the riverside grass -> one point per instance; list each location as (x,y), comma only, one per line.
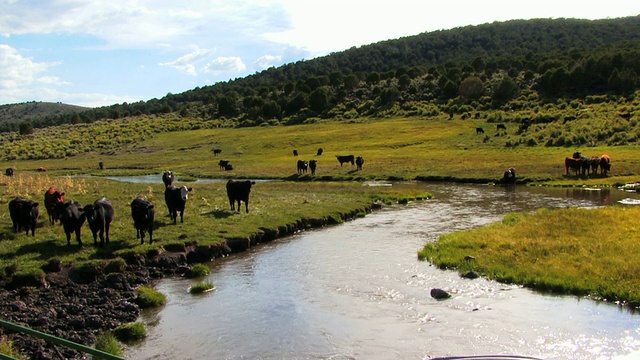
(585,252)
(208,218)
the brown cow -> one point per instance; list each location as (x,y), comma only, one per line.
(52,197)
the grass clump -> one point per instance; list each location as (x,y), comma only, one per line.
(197,270)
(108,343)
(150,298)
(573,251)
(201,287)
(6,348)
(131,332)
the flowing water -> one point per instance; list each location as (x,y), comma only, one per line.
(357,291)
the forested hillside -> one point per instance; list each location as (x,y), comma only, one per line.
(464,71)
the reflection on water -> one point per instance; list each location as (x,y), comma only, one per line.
(357,291)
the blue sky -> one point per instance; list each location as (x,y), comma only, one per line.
(96,53)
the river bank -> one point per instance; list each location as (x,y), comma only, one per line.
(78,304)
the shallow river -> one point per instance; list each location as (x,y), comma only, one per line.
(357,291)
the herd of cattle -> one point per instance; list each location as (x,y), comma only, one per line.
(587,165)
(72,215)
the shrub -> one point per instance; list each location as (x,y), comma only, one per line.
(197,270)
(200,288)
(6,348)
(130,332)
(108,343)
(148,298)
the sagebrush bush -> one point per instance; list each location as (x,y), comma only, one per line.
(197,270)
(130,332)
(149,298)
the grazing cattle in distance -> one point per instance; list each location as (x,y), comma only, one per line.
(239,191)
(217,152)
(312,166)
(41,169)
(223,164)
(52,197)
(479,130)
(176,199)
(228,167)
(605,164)
(99,216)
(359,162)
(9,172)
(579,164)
(24,215)
(101,165)
(303,165)
(509,176)
(72,218)
(501,127)
(295,152)
(346,159)
(142,212)
(595,162)
(168,178)
(320,151)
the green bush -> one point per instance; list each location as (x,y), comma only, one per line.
(197,270)
(200,288)
(108,343)
(130,332)
(149,298)
(6,348)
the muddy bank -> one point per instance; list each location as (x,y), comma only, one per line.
(79,303)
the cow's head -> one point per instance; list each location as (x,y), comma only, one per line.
(184,192)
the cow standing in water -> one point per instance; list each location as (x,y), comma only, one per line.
(509,176)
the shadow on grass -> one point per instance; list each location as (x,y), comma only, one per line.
(220,214)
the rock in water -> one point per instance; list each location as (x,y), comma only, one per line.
(439,294)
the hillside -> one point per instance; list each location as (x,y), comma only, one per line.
(34,111)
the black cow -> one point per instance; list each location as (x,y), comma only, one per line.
(72,218)
(346,159)
(24,215)
(479,130)
(99,216)
(176,199)
(101,165)
(303,165)
(359,162)
(168,178)
(320,150)
(312,166)
(228,167)
(142,212)
(223,164)
(509,176)
(9,172)
(295,152)
(501,127)
(217,152)
(52,198)
(238,191)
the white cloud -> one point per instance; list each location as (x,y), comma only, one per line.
(17,71)
(224,64)
(187,63)
(267,61)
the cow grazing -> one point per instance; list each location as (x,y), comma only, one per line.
(228,167)
(479,130)
(501,127)
(142,212)
(217,152)
(72,218)
(295,152)
(168,178)
(312,166)
(176,199)
(99,216)
(605,164)
(238,191)
(223,164)
(52,197)
(346,159)
(320,151)
(9,172)
(303,165)
(24,215)
(359,162)
(580,164)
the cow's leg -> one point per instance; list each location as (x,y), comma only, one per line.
(79,237)
(106,230)
(182,216)
(151,234)
(68,233)
(246,205)
(141,236)
(102,237)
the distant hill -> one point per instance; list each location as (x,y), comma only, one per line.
(12,115)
